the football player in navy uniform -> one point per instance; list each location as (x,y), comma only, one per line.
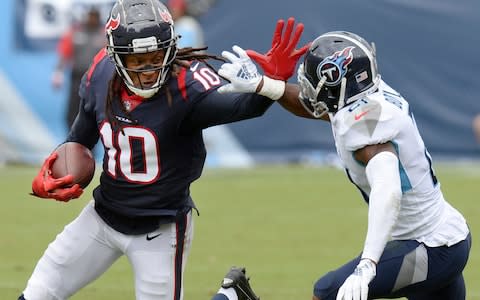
(416,244)
(148,102)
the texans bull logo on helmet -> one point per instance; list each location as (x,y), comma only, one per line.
(112,23)
(334,67)
(166,16)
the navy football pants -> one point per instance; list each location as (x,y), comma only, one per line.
(408,269)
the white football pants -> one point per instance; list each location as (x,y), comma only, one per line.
(87,247)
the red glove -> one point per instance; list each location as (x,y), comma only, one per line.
(280,61)
(60,189)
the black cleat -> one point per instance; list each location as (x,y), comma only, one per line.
(237,279)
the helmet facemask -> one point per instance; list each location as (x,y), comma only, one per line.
(145,45)
(138,27)
(321,99)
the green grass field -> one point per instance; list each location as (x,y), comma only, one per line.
(287,225)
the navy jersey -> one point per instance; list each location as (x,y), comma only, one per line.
(151,159)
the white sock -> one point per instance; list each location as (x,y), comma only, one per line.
(230,293)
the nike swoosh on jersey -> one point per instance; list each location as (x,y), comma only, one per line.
(194,68)
(360,115)
(149,238)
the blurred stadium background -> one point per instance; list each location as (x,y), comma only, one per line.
(277,220)
(427,50)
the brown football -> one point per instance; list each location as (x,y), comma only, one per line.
(75,159)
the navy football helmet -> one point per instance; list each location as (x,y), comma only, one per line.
(141,26)
(339,68)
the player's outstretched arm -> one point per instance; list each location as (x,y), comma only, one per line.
(280,61)
(290,101)
(243,76)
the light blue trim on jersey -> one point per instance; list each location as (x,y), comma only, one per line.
(404,180)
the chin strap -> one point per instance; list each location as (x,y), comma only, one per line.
(144,93)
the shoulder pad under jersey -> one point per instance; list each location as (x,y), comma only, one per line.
(367,121)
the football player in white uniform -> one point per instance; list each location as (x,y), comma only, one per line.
(416,244)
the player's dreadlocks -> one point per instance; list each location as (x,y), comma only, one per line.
(182,60)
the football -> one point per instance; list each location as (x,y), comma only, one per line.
(75,159)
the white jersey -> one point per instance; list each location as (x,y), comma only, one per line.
(384,116)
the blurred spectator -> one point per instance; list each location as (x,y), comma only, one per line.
(76,49)
(186,25)
(476,127)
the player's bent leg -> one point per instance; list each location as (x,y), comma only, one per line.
(76,257)
(444,279)
(327,287)
(406,269)
(158,260)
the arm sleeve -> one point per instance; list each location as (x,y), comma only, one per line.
(215,109)
(384,202)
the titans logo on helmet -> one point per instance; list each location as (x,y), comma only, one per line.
(334,67)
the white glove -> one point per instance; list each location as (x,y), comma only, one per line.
(356,285)
(241,72)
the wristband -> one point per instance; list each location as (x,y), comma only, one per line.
(272,88)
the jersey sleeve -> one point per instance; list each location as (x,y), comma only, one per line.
(215,109)
(209,108)
(368,122)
